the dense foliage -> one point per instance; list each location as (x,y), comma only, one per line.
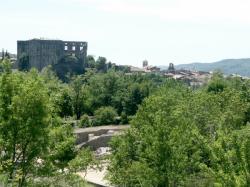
(68,66)
(38,111)
(36,146)
(102,85)
(178,136)
(181,137)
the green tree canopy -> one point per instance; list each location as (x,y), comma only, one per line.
(24,123)
(181,137)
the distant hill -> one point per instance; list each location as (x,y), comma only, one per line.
(228,66)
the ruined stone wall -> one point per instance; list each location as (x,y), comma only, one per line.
(102,141)
(48,52)
(102,135)
(82,134)
(79,49)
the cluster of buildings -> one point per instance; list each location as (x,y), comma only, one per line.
(146,68)
(193,78)
(43,52)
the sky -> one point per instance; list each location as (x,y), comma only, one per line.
(130,31)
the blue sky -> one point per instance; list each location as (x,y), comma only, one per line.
(129,31)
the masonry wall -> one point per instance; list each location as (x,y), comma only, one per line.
(48,52)
(102,141)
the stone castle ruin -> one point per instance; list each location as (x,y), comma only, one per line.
(39,53)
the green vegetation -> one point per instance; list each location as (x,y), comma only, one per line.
(102,85)
(37,148)
(38,110)
(105,115)
(181,137)
(23,63)
(24,118)
(178,136)
(68,66)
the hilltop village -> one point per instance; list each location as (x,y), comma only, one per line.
(71,57)
(192,78)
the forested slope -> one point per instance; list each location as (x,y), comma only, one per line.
(228,66)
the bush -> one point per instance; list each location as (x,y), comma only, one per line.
(124,118)
(84,121)
(65,180)
(23,63)
(105,115)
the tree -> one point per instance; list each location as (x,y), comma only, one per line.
(101,89)
(105,115)
(59,93)
(81,162)
(24,112)
(217,83)
(77,95)
(7,55)
(134,98)
(101,65)
(35,144)
(68,66)
(150,142)
(23,62)
(183,137)
(90,62)
(65,103)
(61,147)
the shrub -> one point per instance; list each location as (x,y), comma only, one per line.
(84,121)
(124,118)
(105,115)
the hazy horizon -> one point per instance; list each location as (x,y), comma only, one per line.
(128,32)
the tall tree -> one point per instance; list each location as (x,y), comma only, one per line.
(23,62)
(24,113)
(77,95)
(101,65)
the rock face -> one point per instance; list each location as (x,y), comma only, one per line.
(42,53)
